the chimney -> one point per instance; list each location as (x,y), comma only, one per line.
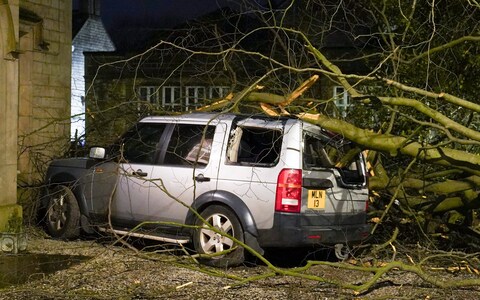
(90,7)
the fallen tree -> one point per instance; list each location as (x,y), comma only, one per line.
(435,193)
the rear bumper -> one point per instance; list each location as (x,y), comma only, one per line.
(294,230)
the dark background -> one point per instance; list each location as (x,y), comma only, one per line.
(154,13)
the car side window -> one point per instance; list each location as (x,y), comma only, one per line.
(140,144)
(254,146)
(190,145)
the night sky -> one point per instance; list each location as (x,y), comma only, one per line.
(131,23)
(155,13)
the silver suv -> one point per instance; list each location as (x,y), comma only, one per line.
(266,182)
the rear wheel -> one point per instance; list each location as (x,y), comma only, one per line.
(63,214)
(207,241)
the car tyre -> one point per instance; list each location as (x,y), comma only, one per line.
(63,214)
(207,241)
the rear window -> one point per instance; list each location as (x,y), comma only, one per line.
(321,152)
(254,146)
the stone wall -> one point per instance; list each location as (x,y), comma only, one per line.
(35,63)
(9,210)
(44,84)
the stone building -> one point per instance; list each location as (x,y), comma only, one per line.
(35,66)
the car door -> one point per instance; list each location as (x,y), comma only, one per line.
(138,152)
(188,168)
(101,181)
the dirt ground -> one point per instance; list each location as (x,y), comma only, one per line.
(116,272)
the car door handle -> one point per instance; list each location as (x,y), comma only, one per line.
(139,173)
(201,178)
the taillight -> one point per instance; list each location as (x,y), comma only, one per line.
(289,191)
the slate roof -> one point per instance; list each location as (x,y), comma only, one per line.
(90,34)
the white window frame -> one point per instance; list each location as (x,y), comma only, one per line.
(194,95)
(342,99)
(179,98)
(175,96)
(151,93)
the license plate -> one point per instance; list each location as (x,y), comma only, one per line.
(316,199)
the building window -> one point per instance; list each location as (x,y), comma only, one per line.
(171,98)
(194,96)
(177,98)
(149,94)
(342,99)
(31,23)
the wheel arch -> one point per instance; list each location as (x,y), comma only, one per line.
(73,184)
(238,207)
(229,200)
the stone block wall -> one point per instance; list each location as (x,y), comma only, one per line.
(44,85)
(9,210)
(35,60)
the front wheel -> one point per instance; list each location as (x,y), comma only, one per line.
(210,242)
(63,214)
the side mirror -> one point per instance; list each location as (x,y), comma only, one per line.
(97,152)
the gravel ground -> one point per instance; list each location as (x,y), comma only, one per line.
(116,272)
